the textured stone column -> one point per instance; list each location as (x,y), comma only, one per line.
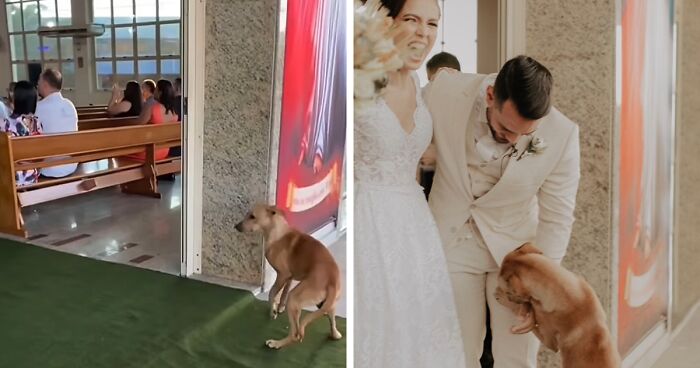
(239,71)
(686,258)
(575,39)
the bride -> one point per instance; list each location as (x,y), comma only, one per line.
(404,306)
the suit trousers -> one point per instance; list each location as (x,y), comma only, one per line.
(474,275)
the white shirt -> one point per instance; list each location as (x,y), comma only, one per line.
(57,115)
(4,112)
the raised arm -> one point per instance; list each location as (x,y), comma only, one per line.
(557,199)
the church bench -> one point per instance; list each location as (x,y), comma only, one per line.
(106,122)
(92,115)
(102,164)
(91,108)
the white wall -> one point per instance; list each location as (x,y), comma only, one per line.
(458,23)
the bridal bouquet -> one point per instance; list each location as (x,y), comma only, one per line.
(375,52)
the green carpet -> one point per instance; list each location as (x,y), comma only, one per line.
(62,310)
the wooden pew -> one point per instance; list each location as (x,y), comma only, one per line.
(102,123)
(96,111)
(92,115)
(90,149)
(91,107)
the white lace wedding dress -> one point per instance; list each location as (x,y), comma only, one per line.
(405,315)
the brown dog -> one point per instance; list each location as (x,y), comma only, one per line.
(560,308)
(296,257)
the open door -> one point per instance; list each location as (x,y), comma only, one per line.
(193,77)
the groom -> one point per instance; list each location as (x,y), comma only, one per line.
(507,173)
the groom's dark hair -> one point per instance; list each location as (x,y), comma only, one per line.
(527,83)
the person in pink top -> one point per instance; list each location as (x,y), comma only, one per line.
(161,111)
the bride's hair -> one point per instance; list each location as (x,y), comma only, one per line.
(393,6)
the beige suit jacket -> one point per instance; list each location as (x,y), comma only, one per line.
(535,198)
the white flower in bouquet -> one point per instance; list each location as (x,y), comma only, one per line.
(375,53)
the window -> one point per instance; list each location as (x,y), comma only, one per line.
(141,40)
(24,17)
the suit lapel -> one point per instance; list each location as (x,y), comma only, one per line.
(520,148)
(469,138)
(512,164)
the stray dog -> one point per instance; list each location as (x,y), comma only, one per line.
(296,256)
(560,308)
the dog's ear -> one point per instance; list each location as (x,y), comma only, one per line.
(528,248)
(518,287)
(507,269)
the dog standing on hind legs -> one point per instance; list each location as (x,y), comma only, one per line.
(296,256)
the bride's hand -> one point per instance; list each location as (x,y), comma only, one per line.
(429,157)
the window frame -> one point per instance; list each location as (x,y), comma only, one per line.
(24,60)
(135,58)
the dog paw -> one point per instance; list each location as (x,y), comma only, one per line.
(273,344)
(336,335)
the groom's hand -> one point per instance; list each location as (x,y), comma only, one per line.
(447,70)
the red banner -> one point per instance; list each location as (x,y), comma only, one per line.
(646,128)
(312,132)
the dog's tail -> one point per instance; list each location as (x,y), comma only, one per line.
(331,297)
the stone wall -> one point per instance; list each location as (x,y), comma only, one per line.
(239,70)
(575,39)
(687,201)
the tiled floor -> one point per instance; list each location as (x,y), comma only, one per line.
(684,351)
(113,226)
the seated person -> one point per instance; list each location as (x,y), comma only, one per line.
(22,122)
(5,111)
(177,151)
(178,98)
(125,102)
(148,91)
(162,110)
(57,115)
(6,103)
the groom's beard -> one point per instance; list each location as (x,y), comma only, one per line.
(493,131)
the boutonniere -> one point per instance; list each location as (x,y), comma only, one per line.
(536,145)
